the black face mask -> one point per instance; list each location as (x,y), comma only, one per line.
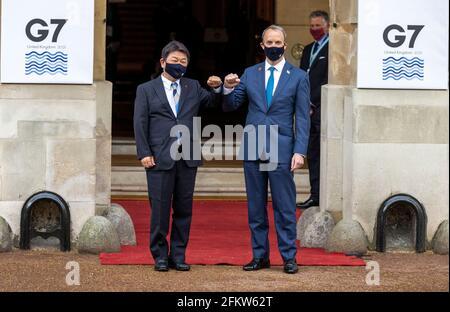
(175,70)
(274,53)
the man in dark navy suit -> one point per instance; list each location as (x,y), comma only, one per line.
(275,143)
(315,62)
(162,105)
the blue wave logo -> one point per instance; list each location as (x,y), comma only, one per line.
(403,68)
(46,63)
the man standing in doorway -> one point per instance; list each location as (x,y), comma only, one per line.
(315,63)
(163,103)
(278,95)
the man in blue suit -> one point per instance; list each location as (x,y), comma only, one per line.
(278,96)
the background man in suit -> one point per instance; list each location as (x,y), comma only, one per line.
(162,104)
(277,92)
(315,62)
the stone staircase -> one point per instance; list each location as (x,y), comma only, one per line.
(215,179)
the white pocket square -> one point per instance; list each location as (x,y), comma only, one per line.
(322,57)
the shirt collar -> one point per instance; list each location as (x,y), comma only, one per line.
(279,67)
(323,39)
(167,83)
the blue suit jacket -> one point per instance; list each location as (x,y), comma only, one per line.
(290,103)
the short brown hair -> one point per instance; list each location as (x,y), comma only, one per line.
(320,13)
(275,27)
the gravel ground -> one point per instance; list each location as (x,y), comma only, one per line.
(46,271)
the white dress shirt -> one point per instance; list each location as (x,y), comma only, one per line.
(276,75)
(169,93)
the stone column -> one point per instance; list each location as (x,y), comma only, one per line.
(100,39)
(377,143)
(58,138)
(55,138)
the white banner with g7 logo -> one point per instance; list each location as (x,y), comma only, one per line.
(47,41)
(403,44)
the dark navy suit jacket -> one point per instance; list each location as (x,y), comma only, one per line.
(318,75)
(154,119)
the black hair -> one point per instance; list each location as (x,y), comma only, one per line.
(174,46)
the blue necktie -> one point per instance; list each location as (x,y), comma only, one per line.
(176,96)
(270,86)
(316,45)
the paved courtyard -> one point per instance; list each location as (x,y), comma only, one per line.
(46,271)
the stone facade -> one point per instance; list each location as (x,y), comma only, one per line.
(55,138)
(293,16)
(378,143)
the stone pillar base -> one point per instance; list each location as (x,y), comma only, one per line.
(98,235)
(5,236)
(440,240)
(123,224)
(314,228)
(348,237)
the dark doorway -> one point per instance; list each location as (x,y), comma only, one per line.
(223,36)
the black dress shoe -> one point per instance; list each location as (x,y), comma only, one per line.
(290,267)
(257,264)
(162,266)
(181,266)
(308,204)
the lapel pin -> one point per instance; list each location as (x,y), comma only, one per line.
(259,68)
(288,72)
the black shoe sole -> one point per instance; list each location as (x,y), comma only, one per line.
(179,269)
(182,270)
(307,207)
(162,270)
(261,268)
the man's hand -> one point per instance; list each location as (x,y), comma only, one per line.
(297,162)
(231,81)
(214,82)
(148,162)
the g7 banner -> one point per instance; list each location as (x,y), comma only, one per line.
(47,41)
(403,44)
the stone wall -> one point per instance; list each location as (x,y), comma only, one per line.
(55,138)
(378,143)
(397,142)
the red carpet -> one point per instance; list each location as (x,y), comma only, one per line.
(219,235)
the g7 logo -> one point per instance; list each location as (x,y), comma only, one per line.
(43,32)
(400,39)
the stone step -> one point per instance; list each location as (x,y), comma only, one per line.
(212,182)
(215,179)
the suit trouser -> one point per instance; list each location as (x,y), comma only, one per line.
(283,197)
(314,156)
(166,188)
